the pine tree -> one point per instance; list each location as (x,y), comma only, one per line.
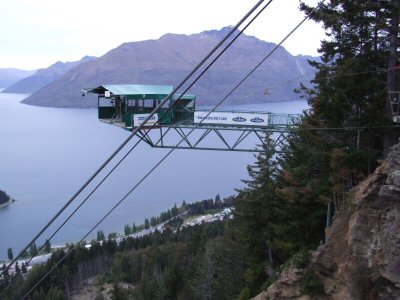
(10,253)
(47,246)
(174,210)
(33,249)
(134,227)
(146,223)
(100,235)
(305,190)
(350,87)
(153,221)
(127,229)
(17,268)
(254,216)
(23,268)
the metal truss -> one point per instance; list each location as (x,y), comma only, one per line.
(214,137)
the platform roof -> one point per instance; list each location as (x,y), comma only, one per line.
(133,91)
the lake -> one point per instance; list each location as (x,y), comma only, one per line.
(47,154)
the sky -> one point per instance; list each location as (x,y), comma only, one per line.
(37,33)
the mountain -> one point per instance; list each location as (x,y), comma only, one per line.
(9,76)
(167,60)
(43,77)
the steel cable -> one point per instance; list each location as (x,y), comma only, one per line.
(109,159)
(167,155)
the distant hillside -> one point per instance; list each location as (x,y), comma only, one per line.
(169,59)
(43,77)
(4,198)
(8,76)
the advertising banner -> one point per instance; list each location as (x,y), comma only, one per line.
(137,119)
(231,118)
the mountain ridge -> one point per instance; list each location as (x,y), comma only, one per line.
(43,77)
(9,76)
(167,60)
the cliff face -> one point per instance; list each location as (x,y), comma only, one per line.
(361,259)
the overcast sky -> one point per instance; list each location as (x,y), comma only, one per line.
(37,33)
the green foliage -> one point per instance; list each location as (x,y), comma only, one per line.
(349,90)
(255,217)
(146,223)
(302,258)
(23,268)
(10,254)
(100,235)
(127,229)
(134,228)
(311,284)
(112,235)
(47,246)
(218,274)
(118,293)
(25,254)
(304,190)
(33,249)
(245,294)
(174,211)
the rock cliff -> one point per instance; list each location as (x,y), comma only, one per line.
(361,258)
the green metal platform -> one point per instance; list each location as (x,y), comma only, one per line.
(178,120)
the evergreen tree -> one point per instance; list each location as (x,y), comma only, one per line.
(25,253)
(47,246)
(169,214)
(350,87)
(305,190)
(10,253)
(118,293)
(254,216)
(100,235)
(146,223)
(17,268)
(33,249)
(218,274)
(6,276)
(127,229)
(23,268)
(134,228)
(174,210)
(153,221)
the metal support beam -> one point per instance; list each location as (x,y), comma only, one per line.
(214,137)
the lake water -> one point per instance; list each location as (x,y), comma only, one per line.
(46,155)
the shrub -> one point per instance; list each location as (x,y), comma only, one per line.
(311,284)
(302,258)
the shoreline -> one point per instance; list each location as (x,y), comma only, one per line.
(11,200)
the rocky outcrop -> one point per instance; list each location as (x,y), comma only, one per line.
(361,259)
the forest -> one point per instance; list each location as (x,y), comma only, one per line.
(291,195)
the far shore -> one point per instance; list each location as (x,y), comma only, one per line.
(8,202)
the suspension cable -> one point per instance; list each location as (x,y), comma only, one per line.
(131,136)
(166,156)
(137,129)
